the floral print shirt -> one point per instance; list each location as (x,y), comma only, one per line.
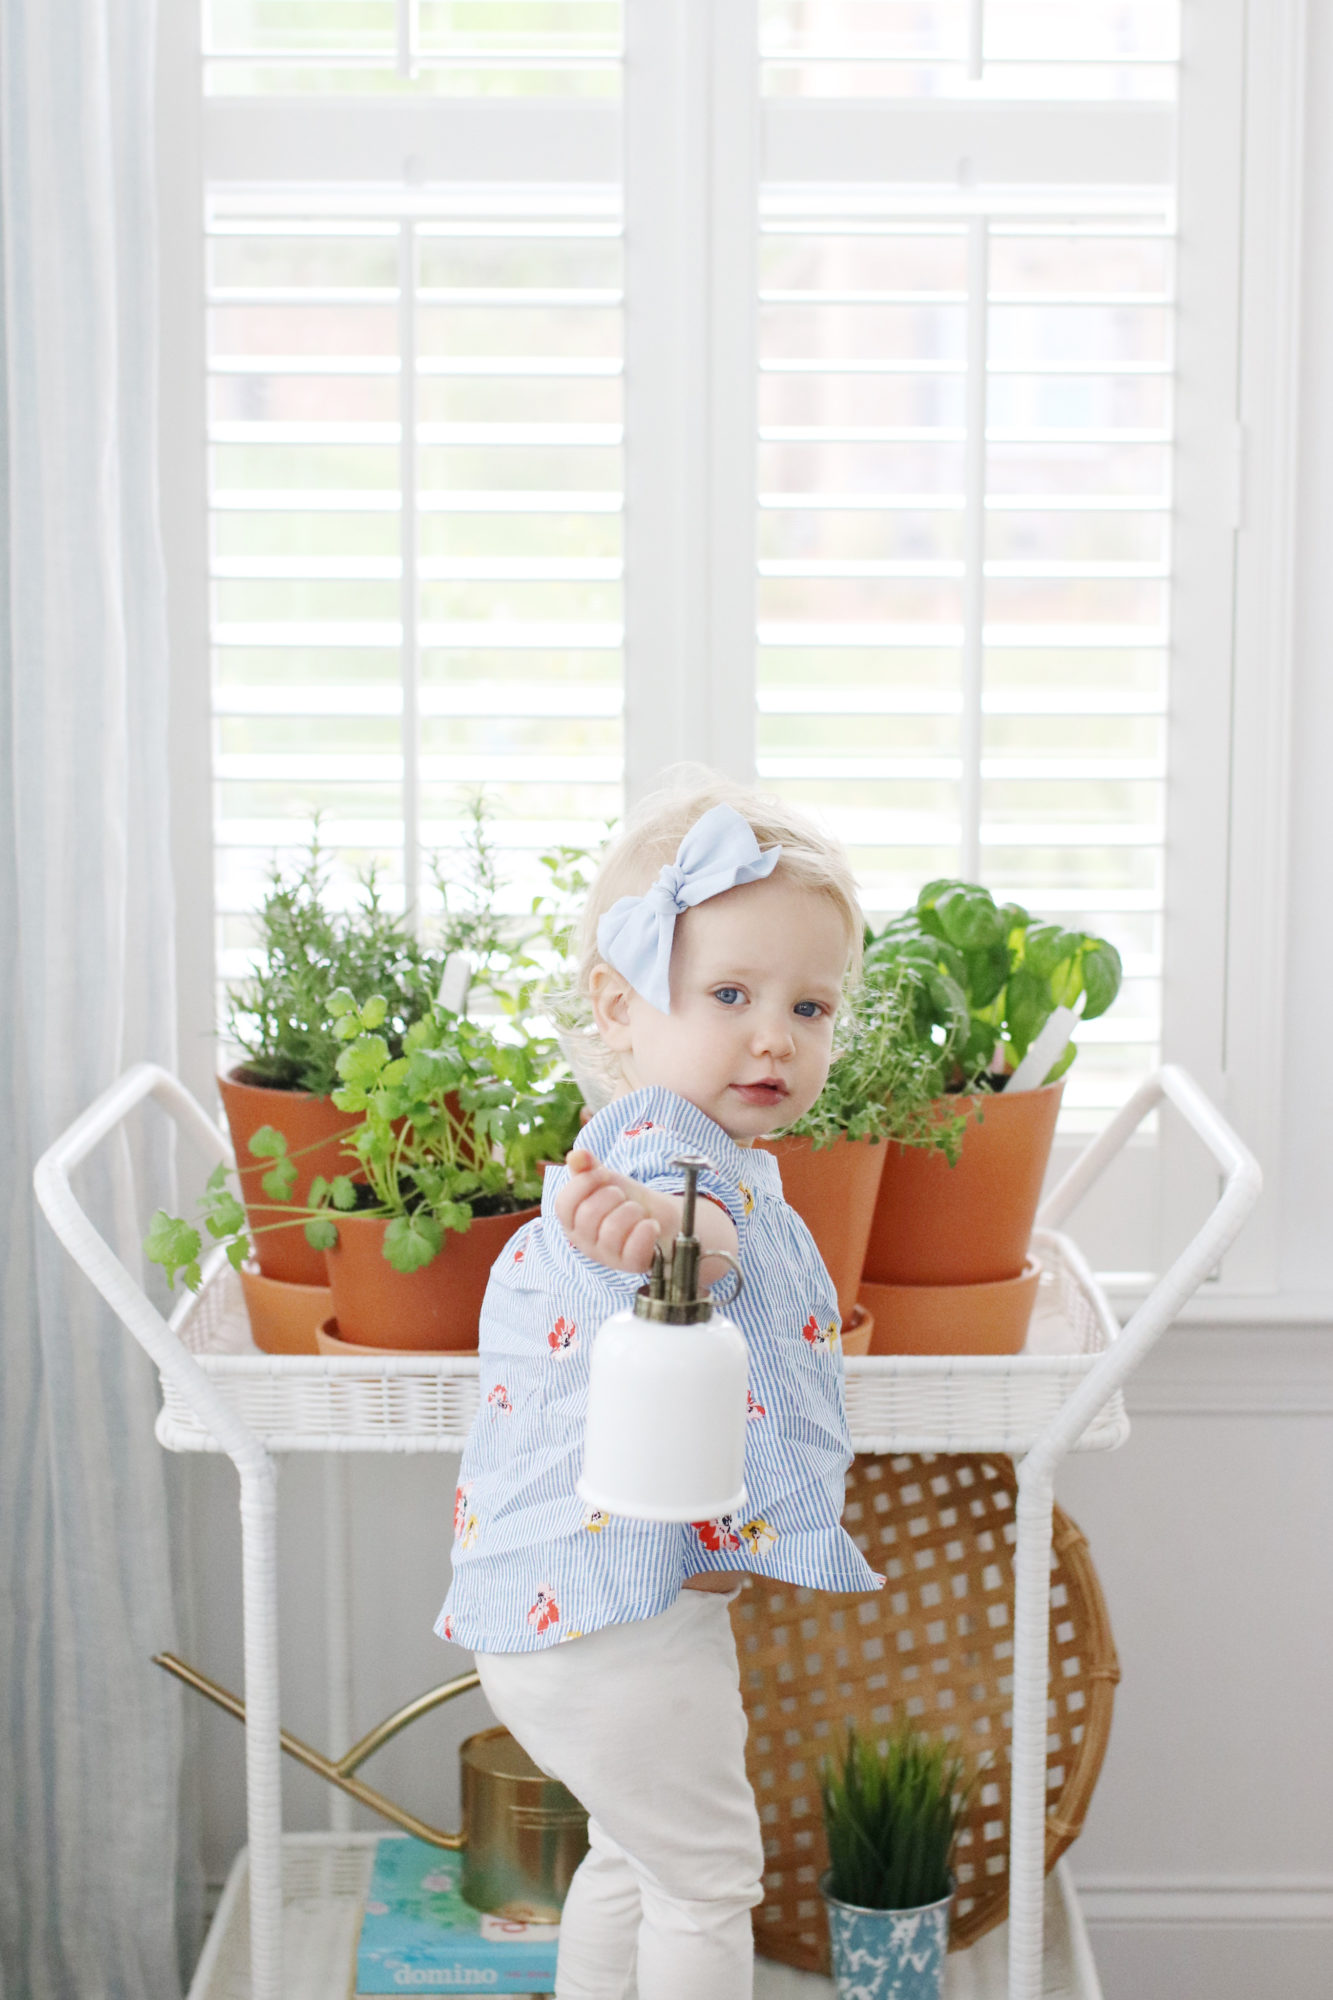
(532,1565)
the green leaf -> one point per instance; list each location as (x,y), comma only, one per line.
(1057,1071)
(1047,947)
(319,1192)
(224,1215)
(341,1002)
(360,1065)
(1028,1006)
(220,1208)
(236,1254)
(927,897)
(172,1243)
(986,972)
(268,1144)
(979,1046)
(412,1241)
(1066,982)
(947,958)
(383,1107)
(1101,977)
(343,1192)
(321,1233)
(969,916)
(432,1070)
(454,1215)
(279,1181)
(375,1011)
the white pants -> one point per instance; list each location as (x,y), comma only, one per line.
(645,1726)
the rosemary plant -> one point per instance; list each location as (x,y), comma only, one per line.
(278,1018)
(891,1812)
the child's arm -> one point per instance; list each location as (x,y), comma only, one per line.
(617,1222)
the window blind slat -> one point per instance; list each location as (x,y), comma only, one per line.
(414,603)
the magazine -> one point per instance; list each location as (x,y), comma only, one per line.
(419,1936)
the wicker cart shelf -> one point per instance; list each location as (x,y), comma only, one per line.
(325,1877)
(411,1403)
(286,1924)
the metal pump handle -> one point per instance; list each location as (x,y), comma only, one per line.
(672,1292)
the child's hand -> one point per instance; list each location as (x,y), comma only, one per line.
(606,1216)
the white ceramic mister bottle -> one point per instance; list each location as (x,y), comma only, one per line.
(665,1437)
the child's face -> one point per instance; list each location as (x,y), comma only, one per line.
(755,978)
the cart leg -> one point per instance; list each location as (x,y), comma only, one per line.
(263,1751)
(337,1623)
(1027,1814)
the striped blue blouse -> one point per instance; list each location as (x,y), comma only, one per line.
(531,1564)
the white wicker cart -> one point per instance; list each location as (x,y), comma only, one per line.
(1062,1394)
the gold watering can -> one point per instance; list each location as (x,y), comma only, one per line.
(523,1834)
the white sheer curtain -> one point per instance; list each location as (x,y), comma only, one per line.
(90,1731)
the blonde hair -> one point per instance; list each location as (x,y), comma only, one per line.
(648,840)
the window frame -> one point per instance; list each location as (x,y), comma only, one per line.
(696,138)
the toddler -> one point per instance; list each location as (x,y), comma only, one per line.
(715,945)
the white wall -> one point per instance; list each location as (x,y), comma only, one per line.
(1206,1865)
(1207,1861)
(1308,1092)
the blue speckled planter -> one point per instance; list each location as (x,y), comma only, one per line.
(888,1954)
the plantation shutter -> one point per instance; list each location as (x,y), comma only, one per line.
(965,430)
(821,388)
(414,292)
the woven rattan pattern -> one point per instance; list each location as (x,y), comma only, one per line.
(402,1403)
(426,1402)
(913,1402)
(937,1642)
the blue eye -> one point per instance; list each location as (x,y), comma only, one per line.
(728,995)
(809,1010)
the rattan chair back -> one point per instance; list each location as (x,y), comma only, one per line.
(936,1643)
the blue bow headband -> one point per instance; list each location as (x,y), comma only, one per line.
(719,852)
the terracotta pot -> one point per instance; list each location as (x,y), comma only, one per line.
(283,1317)
(953,1319)
(833,1191)
(328,1340)
(434,1310)
(305,1123)
(968,1224)
(858,1331)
